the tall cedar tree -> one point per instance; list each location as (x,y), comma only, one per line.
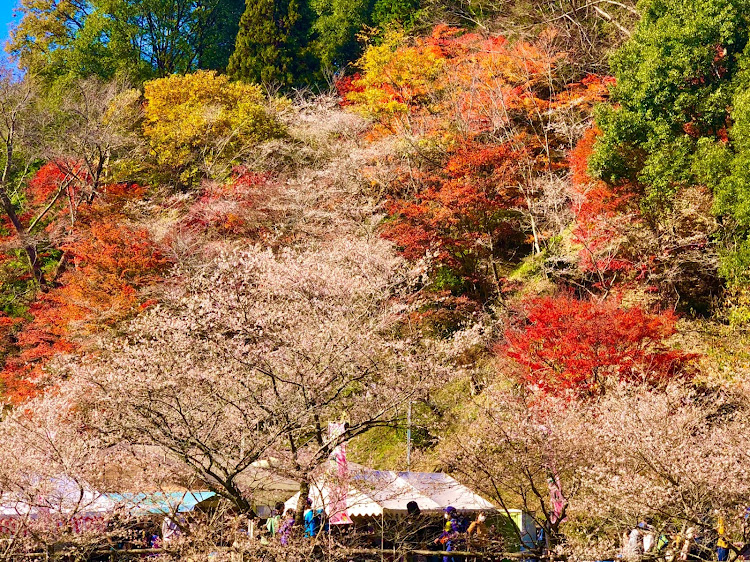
(338,24)
(271,45)
(217,31)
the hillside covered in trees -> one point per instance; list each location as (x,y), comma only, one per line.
(226,224)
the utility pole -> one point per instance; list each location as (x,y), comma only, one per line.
(408,438)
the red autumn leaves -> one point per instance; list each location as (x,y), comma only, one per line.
(106,261)
(461,210)
(489,114)
(582,347)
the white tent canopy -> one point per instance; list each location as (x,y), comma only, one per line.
(368,493)
(59,498)
(61,495)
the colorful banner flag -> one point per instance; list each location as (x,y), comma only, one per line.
(340,475)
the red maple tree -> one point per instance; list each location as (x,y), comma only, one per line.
(603,214)
(567,345)
(493,109)
(106,263)
(463,212)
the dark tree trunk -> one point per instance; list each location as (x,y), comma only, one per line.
(28,247)
(304,492)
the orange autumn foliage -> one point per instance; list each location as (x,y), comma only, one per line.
(239,208)
(602,213)
(454,85)
(107,263)
(45,183)
(461,210)
(493,110)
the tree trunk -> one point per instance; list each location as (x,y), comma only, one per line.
(304,492)
(28,247)
(237,497)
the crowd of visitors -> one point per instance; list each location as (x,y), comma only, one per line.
(416,531)
(704,540)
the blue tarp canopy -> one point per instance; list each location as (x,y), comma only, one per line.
(159,503)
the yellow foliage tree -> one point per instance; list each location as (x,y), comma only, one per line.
(201,122)
(397,76)
(452,84)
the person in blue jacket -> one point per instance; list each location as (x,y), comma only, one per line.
(309,520)
(313,520)
(450,532)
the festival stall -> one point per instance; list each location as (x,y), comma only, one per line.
(158,503)
(264,483)
(60,499)
(364,492)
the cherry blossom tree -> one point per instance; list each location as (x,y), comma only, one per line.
(589,470)
(253,357)
(674,456)
(519,450)
(50,477)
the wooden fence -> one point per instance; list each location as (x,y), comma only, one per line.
(406,555)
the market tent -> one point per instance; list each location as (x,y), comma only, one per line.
(261,482)
(158,503)
(60,495)
(15,508)
(69,496)
(13,513)
(84,507)
(265,477)
(60,498)
(264,483)
(369,493)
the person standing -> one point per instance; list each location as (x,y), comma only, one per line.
(688,545)
(313,520)
(309,519)
(273,522)
(647,532)
(450,532)
(478,527)
(722,546)
(633,547)
(285,529)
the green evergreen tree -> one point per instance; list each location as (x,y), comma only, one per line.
(680,116)
(336,25)
(677,78)
(217,24)
(338,22)
(272,44)
(387,12)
